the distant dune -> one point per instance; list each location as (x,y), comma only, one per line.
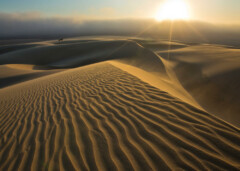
(119,103)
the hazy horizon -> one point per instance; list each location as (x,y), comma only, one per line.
(217,11)
(33,26)
(194,21)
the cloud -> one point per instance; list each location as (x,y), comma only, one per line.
(28,24)
(99,13)
(35,25)
(107,11)
(21,16)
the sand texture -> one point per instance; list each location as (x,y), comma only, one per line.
(136,112)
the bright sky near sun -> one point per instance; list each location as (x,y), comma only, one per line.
(205,10)
(172,10)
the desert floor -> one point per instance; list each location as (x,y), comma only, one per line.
(111,103)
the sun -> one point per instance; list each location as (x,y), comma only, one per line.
(173,10)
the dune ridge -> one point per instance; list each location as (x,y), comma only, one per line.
(194,73)
(119,104)
(210,74)
(74,53)
(11,74)
(99,117)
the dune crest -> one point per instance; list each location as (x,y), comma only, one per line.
(119,104)
(197,74)
(99,117)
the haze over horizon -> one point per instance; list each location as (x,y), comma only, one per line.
(200,20)
(216,11)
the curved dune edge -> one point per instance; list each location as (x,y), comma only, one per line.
(210,74)
(172,87)
(12,74)
(156,81)
(197,74)
(99,117)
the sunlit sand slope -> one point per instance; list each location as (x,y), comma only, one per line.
(99,117)
(211,74)
(203,75)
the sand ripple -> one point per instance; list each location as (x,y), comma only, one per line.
(99,117)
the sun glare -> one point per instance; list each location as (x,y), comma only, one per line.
(173,10)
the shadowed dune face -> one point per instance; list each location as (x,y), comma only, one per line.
(211,75)
(13,74)
(158,45)
(74,53)
(10,48)
(99,117)
(71,54)
(50,57)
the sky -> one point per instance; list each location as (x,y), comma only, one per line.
(219,11)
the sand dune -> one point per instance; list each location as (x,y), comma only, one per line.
(100,117)
(126,106)
(15,73)
(210,73)
(68,55)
